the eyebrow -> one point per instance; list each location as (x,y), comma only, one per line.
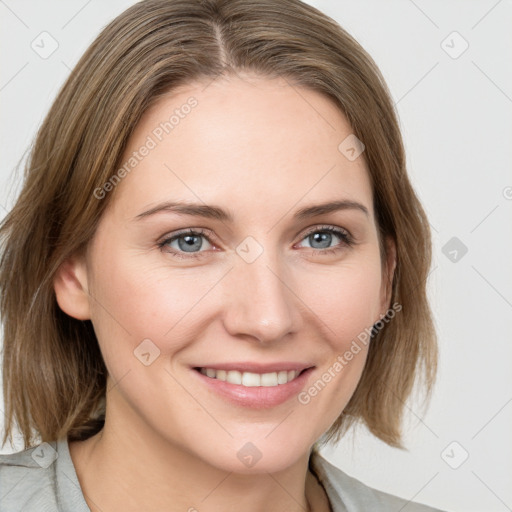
(217,213)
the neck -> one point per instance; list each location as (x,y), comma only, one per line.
(121,469)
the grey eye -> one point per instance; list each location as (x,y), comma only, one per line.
(323,238)
(187,242)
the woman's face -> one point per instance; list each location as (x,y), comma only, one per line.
(267,277)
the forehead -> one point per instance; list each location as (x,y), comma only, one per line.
(252,144)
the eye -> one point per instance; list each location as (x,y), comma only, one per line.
(321,238)
(188,243)
(185,244)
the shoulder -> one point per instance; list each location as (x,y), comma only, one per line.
(28,479)
(347,494)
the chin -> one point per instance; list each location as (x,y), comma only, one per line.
(262,455)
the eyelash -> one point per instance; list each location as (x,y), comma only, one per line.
(346,240)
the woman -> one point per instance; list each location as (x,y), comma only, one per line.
(217,264)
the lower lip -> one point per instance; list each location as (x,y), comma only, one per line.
(256,397)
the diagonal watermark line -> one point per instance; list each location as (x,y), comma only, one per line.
(300,199)
(169,169)
(199,403)
(493,287)
(492,81)
(117,382)
(284,78)
(285,490)
(485,218)
(76,14)
(421,282)
(211,81)
(14,76)
(13,13)
(499,1)
(279,424)
(81,491)
(424,13)
(401,508)
(421,419)
(417,83)
(232,72)
(205,294)
(108,313)
(508,508)
(11,489)
(190,56)
(301,300)
(410,410)
(501,409)
(217,486)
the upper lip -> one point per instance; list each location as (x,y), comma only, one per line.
(253,367)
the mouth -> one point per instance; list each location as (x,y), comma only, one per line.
(264,387)
(252,379)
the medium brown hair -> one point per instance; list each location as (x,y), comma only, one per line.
(54,377)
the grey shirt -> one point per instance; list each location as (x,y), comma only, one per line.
(43,479)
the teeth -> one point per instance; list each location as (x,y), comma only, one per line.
(249,379)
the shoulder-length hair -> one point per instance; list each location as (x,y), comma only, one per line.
(54,377)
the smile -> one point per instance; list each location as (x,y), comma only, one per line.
(249,379)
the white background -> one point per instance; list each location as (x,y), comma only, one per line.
(455,114)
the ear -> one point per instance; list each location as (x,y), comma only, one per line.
(71,290)
(388,271)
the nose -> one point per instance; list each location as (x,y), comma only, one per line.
(260,302)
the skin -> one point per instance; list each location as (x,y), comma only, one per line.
(261,150)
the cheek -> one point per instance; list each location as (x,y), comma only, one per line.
(138,298)
(345,298)
(135,301)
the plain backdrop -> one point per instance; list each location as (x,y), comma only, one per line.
(448,66)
